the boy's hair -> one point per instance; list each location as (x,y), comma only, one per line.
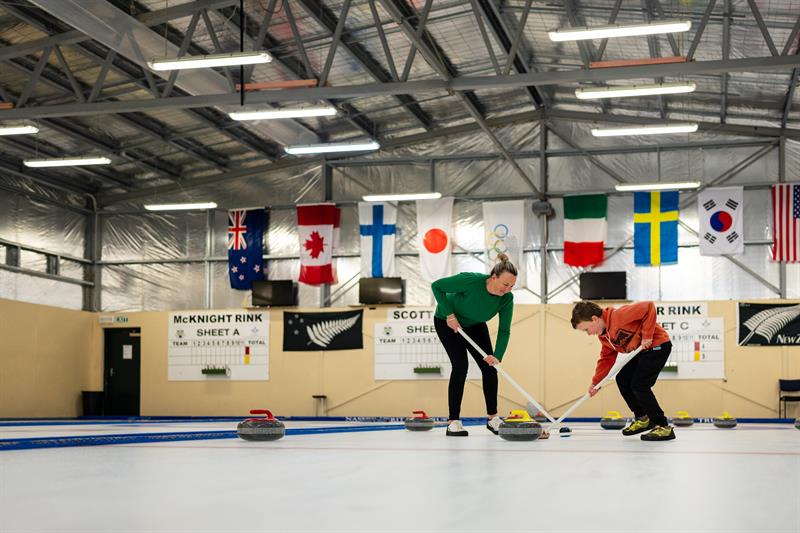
(584,311)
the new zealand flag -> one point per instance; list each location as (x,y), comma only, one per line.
(245,247)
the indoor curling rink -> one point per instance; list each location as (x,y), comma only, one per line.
(374,475)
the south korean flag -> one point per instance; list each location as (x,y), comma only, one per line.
(719,211)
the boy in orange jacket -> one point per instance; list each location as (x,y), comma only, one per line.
(623,330)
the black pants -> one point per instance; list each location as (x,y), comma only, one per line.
(636,379)
(456,347)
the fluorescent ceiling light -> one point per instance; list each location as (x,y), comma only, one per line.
(658,186)
(215,60)
(18,129)
(297,112)
(619,30)
(634,90)
(401,197)
(180,207)
(66,162)
(332,147)
(650,129)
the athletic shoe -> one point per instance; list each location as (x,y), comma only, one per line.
(456,429)
(493,425)
(638,426)
(659,433)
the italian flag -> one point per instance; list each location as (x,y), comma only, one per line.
(585,229)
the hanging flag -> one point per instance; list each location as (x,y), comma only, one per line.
(305,332)
(337,218)
(655,228)
(786,222)
(585,229)
(719,211)
(434,227)
(378,228)
(245,246)
(504,224)
(315,227)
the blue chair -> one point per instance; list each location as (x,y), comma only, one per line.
(787,385)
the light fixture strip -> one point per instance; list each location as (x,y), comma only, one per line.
(18,129)
(650,129)
(619,30)
(401,197)
(66,162)
(657,186)
(180,207)
(624,91)
(298,112)
(208,61)
(332,147)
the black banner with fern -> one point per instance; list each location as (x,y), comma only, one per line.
(769,324)
(308,332)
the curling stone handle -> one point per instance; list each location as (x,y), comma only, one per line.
(420,413)
(266,412)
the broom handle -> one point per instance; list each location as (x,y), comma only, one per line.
(611,375)
(507,377)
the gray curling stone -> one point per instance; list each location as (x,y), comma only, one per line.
(797,423)
(261,429)
(613,423)
(683,421)
(725,421)
(564,432)
(539,417)
(520,427)
(421,422)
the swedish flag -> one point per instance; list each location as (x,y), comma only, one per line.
(655,228)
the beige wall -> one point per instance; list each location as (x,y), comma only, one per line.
(45,354)
(555,367)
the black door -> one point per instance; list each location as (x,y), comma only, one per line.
(122,371)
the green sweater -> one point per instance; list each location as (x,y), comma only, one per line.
(465,295)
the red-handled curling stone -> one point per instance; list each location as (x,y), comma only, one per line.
(419,422)
(267,428)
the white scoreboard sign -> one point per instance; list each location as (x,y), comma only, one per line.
(407,347)
(218,345)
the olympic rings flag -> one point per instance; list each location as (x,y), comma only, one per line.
(434,240)
(504,233)
(720,213)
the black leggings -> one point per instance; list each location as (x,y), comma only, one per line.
(456,347)
(636,379)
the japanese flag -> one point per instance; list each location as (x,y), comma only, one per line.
(434,239)
(315,228)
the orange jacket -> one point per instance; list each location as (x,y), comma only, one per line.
(625,329)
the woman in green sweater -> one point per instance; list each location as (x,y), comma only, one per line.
(468,300)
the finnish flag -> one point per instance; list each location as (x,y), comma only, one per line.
(378,229)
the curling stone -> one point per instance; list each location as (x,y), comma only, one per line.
(564,432)
(797,423)
(539,417)
(519,426)
(419,422)
(725,421)
(682,419)
(612,420)
(267,428)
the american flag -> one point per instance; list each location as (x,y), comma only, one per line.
(786,222)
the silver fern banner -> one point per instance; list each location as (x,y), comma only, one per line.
(304,332)
(769,324)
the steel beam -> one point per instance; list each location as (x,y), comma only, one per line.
(323,16)
(700,30)
(502,34)
(439,62)
(762,27)
(465,83)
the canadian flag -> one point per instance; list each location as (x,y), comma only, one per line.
(316,225)
(434,227)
